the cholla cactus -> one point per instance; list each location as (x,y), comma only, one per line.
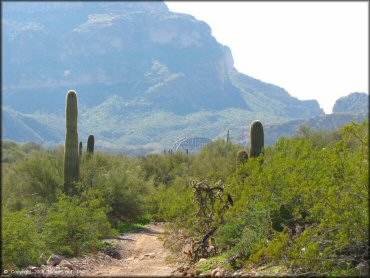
(71,151)
(257,139)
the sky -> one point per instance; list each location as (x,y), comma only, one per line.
(314,50)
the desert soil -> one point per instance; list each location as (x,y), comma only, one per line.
(142,254)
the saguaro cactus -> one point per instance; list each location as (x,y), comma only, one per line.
(257,139)
(241,157)
(71,157)
(80,152)
(90,144)
(227,136)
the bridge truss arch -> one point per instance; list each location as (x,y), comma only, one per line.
(192,144)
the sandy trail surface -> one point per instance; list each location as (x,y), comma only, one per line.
(142,254)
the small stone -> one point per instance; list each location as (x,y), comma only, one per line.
(213,273)
(54,260)
(33,268)
(67,264)
(202,260)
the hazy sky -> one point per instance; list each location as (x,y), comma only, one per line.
(314,50)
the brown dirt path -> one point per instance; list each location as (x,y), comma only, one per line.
(142,253)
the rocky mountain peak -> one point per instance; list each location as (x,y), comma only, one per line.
(353,103)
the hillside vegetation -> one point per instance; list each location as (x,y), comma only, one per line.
(302,204)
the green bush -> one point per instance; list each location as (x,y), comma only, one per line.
(216,161)
(164,168)
(21,244)
(316,198)
(120,184)
(72,228)
(302,204)
(36,179)
(175,203)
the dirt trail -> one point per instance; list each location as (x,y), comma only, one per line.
(142,253)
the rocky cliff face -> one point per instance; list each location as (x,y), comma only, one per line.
(353,103)
(146,58)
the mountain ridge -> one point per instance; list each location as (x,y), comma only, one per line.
(352,103)
(145,63)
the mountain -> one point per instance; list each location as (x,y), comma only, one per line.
(326,122)
(353,103)
(347,109)
(144,76)
(35,127)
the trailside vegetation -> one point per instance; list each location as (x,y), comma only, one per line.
(301,204)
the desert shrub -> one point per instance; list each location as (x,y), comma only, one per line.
(244,230)
(74,228)
(319,138)
(314,199)
(175,203)
(11,152)
(216,161)
(118,181)
(164,168)
(21,244)
(36,179)
(31,146)
(303,203)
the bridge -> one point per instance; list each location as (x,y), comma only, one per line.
(192,144)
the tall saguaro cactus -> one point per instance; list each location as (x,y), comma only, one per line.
(71,151)
(257,139)
(90,144)
(227,136)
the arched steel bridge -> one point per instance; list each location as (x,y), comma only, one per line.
(192,144)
